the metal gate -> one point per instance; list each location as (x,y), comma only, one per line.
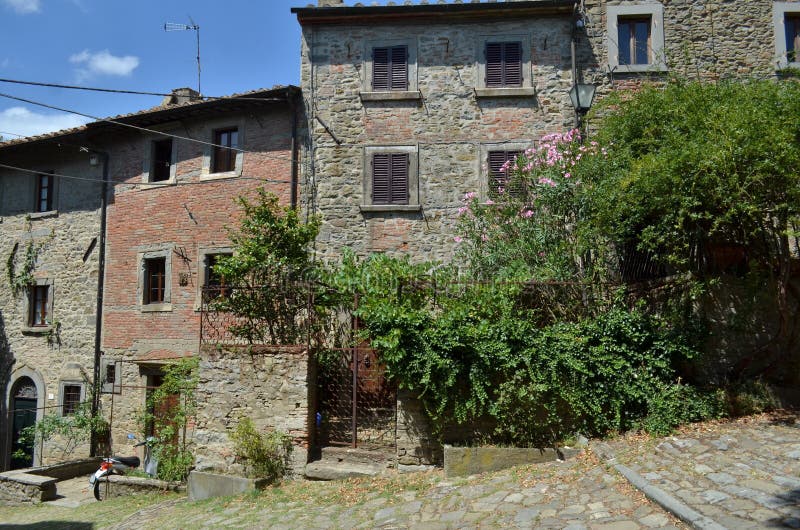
(357,405)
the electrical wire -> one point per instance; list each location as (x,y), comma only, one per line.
(120,91)
(123,182)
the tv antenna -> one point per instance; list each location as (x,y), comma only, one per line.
(171,26)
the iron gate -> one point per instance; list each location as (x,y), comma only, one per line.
(358,406)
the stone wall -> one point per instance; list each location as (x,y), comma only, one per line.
(67,261)
(269,385)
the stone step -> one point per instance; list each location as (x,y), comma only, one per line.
(327,470)
(359,455)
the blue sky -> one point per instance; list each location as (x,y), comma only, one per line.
(122,45)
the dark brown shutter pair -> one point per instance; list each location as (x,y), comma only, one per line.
(499,178)
(390,178)
(503,64)
(390,68)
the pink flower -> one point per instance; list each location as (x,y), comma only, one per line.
(567,175)
(462,210)
(469,196)
(547,181)
(489,202)
(484,237)
(527,214)
(501,190)
(458,239)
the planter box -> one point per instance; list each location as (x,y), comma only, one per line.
(464,461)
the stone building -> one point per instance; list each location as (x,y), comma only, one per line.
(50,218)
(412,105)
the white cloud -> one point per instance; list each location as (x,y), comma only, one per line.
(24,7)
(19,120)
(103,63)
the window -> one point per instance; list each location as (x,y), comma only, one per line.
(110,372)
(786,23)
(498,178)
(636,37)
(155,279)
(161,168)
(503,64)
(213,281)
(634,40)
(226,142)
(44,193)
(390,178)
(39,306)
(390,68)
(71,397)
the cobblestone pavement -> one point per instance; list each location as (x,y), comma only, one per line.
(575,494)
(741,474)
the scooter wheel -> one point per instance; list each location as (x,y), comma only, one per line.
(101,489)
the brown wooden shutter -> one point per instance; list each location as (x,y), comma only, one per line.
(512,64)
(499,178)
(503,64)
(399,182)
(494,64)
(399,68)
(381,179)
(380,69)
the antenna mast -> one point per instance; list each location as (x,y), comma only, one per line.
(170,26)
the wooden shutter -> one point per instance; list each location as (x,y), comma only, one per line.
(399,180)
(494,64)
(381,178)
(503,64)
(499,178)
(399,68)
(390,178)
(512,64)
(380,69)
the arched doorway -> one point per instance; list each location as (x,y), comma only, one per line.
(22,409)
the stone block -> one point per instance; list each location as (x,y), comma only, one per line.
(206,485)
(464,461)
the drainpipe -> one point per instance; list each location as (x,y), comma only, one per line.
(101,267)
(291,95)
(573,50)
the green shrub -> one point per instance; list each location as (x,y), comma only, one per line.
(676,404)
(264,455)
(750,397)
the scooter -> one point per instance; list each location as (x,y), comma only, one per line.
(118,465)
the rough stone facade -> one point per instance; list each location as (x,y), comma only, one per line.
(447,120)
(65,237)
(269,385)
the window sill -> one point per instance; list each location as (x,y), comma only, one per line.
(158,183)
(222,175)
(156,308)
(36,330)
(43,215)
(397,95)
(373,208)
(505,92)
(640,68)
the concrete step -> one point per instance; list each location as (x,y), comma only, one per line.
(327,470)
(360,455)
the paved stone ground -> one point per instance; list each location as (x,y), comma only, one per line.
(741,474)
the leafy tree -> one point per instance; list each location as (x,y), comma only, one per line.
(263,276)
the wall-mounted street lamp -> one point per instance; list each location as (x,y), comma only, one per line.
(582,96)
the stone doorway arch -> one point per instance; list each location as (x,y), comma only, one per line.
(24,400)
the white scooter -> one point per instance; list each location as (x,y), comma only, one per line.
(118,465)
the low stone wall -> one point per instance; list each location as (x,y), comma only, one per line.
(464,461)
(68,470)
(18,487)
(269,385)
(208,485)
(122,486)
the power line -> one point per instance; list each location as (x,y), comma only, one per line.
(121,182)
(120,91)
(144,129)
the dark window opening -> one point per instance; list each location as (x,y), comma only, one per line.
(499,181)
(792,25)
(71,399)
(155,278)
(390,68)
(226,142)
(111,373)
(503,64)
(634,40)
(390,178)
(44,193)
(162,160)
(39,302)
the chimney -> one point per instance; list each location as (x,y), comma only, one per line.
(180,96)
(330,3)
